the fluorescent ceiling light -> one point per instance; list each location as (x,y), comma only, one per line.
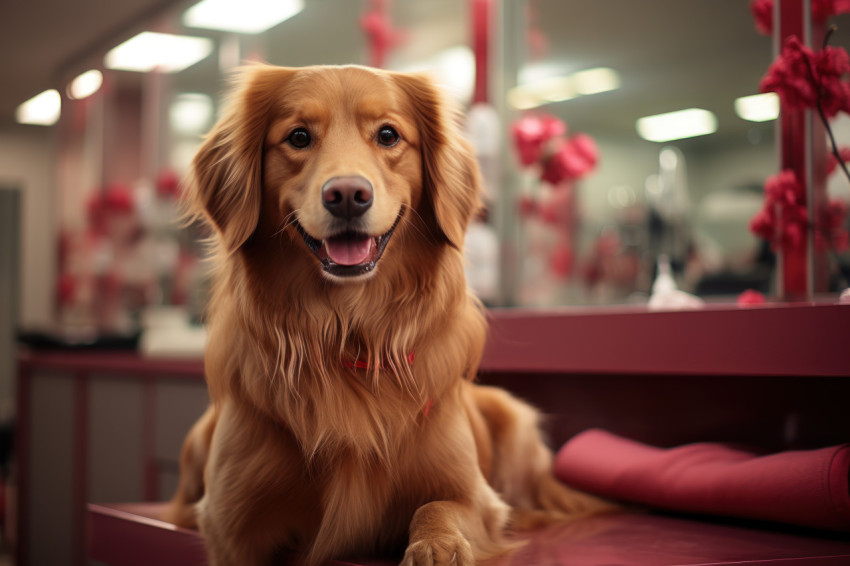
(85,84)
(758,107)
(594,81)
(150,51)
(559,88)
(523,98)
(41,110)
(677,125)
(241,16)
(453,68)
(191,113)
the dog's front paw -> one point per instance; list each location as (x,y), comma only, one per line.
(447,550)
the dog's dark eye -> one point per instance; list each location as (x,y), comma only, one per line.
(387,136)
(299,138)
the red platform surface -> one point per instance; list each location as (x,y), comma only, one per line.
(132,535)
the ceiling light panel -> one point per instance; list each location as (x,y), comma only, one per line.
(163,52)
(677,125)
(241,16)
(758,107)
(41,110)
(545,90)
(85,84)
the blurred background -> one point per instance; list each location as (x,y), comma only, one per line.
(592,184)
(98,179)
(95,183)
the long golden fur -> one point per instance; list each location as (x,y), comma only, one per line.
(344,419)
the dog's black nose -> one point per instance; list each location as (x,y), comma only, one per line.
(347,197)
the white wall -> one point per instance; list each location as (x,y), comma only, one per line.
(27,161)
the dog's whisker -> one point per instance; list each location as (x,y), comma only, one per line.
(288,220)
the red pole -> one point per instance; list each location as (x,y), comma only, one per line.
(802,150)
(481,30)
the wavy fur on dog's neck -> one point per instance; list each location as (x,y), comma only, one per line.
(296,335)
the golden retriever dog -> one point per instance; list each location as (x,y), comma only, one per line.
(343,342)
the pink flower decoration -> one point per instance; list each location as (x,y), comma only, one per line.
(574,159)
(789,76)
(763,14)
(784,188)
(750,298)
(527,206)
(531,133)
(832,232)
(562,260)
(831,65)
(832,162)
(787,228)
(802,78)
(763,224)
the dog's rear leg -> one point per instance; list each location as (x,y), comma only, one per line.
(193,459)
(521,469)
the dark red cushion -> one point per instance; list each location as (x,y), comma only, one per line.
(808,488)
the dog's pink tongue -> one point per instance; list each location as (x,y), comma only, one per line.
(349,251)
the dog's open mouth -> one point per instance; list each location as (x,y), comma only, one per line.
(351,253)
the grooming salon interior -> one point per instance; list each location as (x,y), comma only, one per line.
(663,255)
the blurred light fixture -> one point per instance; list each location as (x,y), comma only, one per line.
(758,107)
(677,125)
(191,113)
(594,81)
(40,110)
(164,52)
(241,16)
(453,68)
(560,88)
(85,84)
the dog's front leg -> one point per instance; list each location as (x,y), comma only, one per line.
(458,533)
(259,498)
(437,538)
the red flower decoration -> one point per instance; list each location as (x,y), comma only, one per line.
(763,14)
(832,162)
(831,65)
(783,219)
(531,133)
(789,76)
(527,206)
(573,160)
(803,78)
(750,297)
(832,232)
(784,189)
(562,260)
(822,10)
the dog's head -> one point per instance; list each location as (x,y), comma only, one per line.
(339,160)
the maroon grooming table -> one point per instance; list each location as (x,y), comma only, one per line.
(133,535)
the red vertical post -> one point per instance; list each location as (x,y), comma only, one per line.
(481,24)
(802,149)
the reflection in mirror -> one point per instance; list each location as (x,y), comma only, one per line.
(615,71)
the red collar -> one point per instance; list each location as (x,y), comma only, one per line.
(360,363)
(364,364)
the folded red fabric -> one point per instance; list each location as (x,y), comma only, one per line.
(809,488)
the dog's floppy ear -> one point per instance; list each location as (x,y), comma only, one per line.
(225,182)
(451,183)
